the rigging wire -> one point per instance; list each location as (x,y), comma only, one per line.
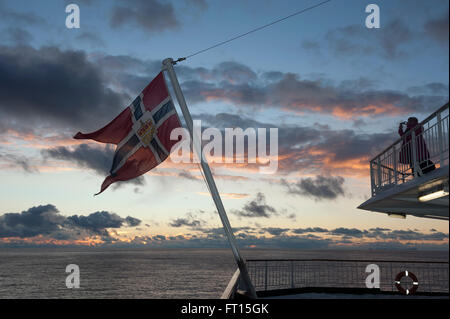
(253,30)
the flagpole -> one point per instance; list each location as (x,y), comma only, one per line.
(168,66)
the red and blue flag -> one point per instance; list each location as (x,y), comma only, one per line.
(141,133)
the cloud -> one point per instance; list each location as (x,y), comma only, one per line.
(291,93)
(84,155)
(99,159)
(97,222)
(44,225)
(307,238)
(179,222)
(256,208)
(49,87)
(320,188)
(313,148)
(430,88)
(310,230)
(132,222)
(18,161)
(348,232)
(86,101)
(438,28)
(46,220)
(17,35)
(240,85)
(191,220)
(357,40)
(38,220)
(276,231)
(150,15)
(20,18)
(82,94)
(91,39)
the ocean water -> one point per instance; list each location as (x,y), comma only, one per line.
(148,273)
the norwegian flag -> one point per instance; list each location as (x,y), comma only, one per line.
(141,133)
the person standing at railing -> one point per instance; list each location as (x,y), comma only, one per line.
(406,154)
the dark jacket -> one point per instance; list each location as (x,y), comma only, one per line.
(422,153)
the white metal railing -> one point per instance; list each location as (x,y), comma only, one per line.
(276,274)
(413,155)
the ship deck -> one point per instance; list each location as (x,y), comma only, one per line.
(342,279)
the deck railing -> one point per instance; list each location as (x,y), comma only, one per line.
(269,275)
(407,158)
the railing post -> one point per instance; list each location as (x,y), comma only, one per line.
(372,181)
(292,274)
(265,276)
(394,154)
(414,153)
(440,140)
(379,171)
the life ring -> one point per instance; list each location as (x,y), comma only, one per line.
(399,286)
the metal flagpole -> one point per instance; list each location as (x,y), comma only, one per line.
(168,64)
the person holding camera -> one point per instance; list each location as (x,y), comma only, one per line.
(422,155)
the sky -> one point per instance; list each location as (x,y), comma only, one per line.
(335,90)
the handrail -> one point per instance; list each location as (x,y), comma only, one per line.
(232,285)
(281,274)
(354,260)
(392,169)
(442,108)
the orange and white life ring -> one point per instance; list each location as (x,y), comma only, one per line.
(399,286)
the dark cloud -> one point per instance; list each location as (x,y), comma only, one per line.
(190,220)
(256,208)
(81,97)
(84,102)
(47,221)
(391,42)
(179,222)
(98,221)
(413,235)
(276,231)
(238,84)
(347,144)
(91,39)
(309,230)
(39,220)
(98,159)
(159,238)
(434,88)
(438,29)
(311,238)
(348,232)
(379,229)
(292,93)
(151,15)
(18,161)
(356,39)
(310,147)
(20,18)
(17,35)
(322,187)
(53,87)
(95,158)
(132,222)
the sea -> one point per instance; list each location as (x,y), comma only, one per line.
(149,273)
